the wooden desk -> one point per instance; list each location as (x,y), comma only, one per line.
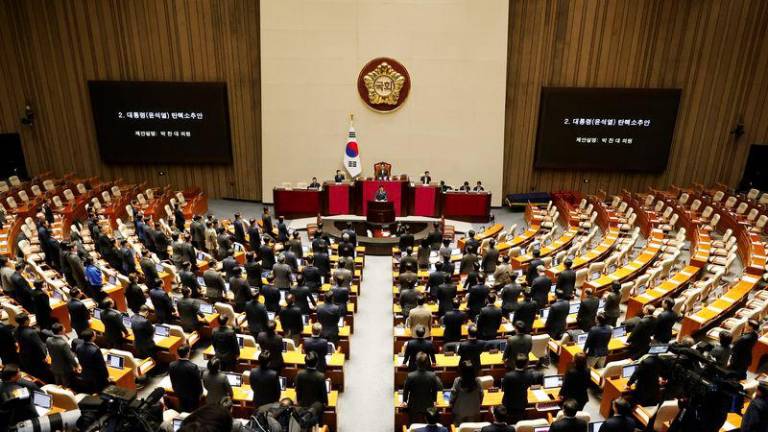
(122,377)
(734,298)
(614,389)
(490,232)
(169,344)
(669,287)
(447,366)
(521,262)
(297,203)
(469,206)
(596,254)
(630,270)
(616,350)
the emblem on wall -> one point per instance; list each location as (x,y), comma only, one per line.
(384,84)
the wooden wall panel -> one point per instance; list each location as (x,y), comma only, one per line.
(58,46)
(715,50)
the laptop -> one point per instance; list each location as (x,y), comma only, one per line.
(331,348)
(544,313)
(641,290)
(305,320)
(159,268)
(235,380)
(206,308)
(177,424)
(620,331)
(595,426)
(97,313)
(574,309)
(628,371)
(658,349)
(581,339)
(201,281)
(283,383)
(42,402)
(240,341)
(115,361)
(200,256)
(126,322)
(113,280)
(271,316)
(541,429)
(553,381)
(161,332)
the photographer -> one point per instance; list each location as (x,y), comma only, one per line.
(756,417)
(15,397)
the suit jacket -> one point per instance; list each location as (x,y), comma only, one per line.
(266,224)
(143,334)
(78,314)
(265,384)
(228,265)
(328,316)
(323,263)
(135,296)
(490,260)
(256,316)
(476,298)
(408,300)
(177,255)
(319,346)
(63,360)
(224,243)
(92,361)
(113,326)
(518,344)
(310,388)
(587,314)
(515,385)
(189,280)
(197,231)
(189,310)
(225,344)
(271,298)
(569,424)
(619,423)
(566,282)
(741,353)
(253,272)
(420,390)
(282,232)
(468,262)
(414,347)
(408,262)
(612,308)
(526,313)
(303,297)
(510,297)
(453,320)
(274,344)
(556,319)
(640,338)
(420,316)
(312,277)
(488,322)
(531,273)
(597,341)
(149,269)
(42,308)
(282,274)
(470,350)
(239,229)
(254,237)
(409,278)
(445,294)
(242,291)
(664,323)
(540,290)
(186,379)
(290,319)
(343,277)
(214,284)
(162,303)
(436,278)
(406,240)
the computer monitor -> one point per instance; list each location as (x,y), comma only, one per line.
(581,339)
(328,385)
(112,280)
(97,313)
(201,281)
(331,348)
(553,381)
(206,308)
(162,331)
(283,383)
(240,341)
(305,320)
(641,290)
(620,331)
(544,313)
(235,379)
(115,361)
(159,268)
(200,256)
(177,424)
(541,429)
(658,349)
(574,308)
(271,316)
(42,400)
(341,322)
(628,371)
(126,322)
(595,426)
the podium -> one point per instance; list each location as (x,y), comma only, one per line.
(337,198)
(424,200)
(381,212)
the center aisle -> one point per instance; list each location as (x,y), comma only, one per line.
(369,380)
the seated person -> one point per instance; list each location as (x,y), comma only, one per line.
(339,177)
(383,174)
(444,187)
(478,187)
(465,187)
(381,194)
(315,184)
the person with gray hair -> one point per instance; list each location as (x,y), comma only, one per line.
(541,286)
(282,273)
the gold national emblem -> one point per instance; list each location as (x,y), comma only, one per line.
(384,85)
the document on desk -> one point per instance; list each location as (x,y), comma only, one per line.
(541,395)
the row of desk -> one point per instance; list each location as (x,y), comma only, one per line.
(409,200)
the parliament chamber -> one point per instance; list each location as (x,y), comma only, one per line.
(409,216)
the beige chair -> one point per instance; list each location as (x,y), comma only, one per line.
(472,426)
(596,269)
(57,203)
(583,415)
(752,194)
(530,425)
(760,224)
(4,186)
(742,208)
(695,205)
(248,340)
(106,197)
(416,426)
(139,367)
(611,370)
(665,414)
(486,381)
(49,186)
(539,345)
(63,398)
(36,190)
(730,202)
(719,195)
(81,189)
(581,276)
(289,344)
(14,181)
(116,191)
(683,200)
(68,195)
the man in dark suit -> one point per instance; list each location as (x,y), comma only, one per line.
(323,263)
(303,296)
(639,339)
(471,243)
(346,246)
(224,243)
(256,316)
(566,280)
(266,221)
(556,319)
(63,362)
(499,421)
(477,296)
(666,321)
(515,385)
(596,346)
(282,230)
(225,345)
(253,270)
(741,353)
(94,376)
(471,349)
(490,258)
(186,381)
(21,287)
(189,311)
(612,306)
(15,410)
(622,420)
(8,353)
(426,178)
(134,294)
(519,342)
(406,239)
(254,236)
(339,177)
(527,311)
(540,287)
(239,228)
(197,232)
(229,264)
(271,297)
(79,315)
(143,333)
(178,218)
(127,258)
(189,280)
(328,315)
(148,267)
(569,422)
(408,261)
(265,382)
(114,330)
(468,261)
(164,310)
(310,386)
(215,286)
(42,305)
(532,271)
(161,245)
(408,299)
(420,390)
(177,253)
(241,288)
(646,381)
(418,345)
(311,275)
(453,320)
(435,279)
(294,246)
(446,293)
(489,320)
(585,318)
(317,345)
(291,319)
(270,341)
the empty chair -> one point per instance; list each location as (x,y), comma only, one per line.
(4,186)
(81,189)
(49,186)
(14,180)
(472,426)
(23,196)
(139,367)
(581,277)
(68,195)
(106,197)
(719,195)
(730,202)
(742,208)
(752,215)
(695,205)
(760,224)
(36,190)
